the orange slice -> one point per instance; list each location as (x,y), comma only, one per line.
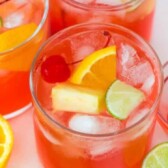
(97,70)
(6,141)
(16,36)
(20,58)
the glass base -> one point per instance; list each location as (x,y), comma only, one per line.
(18,112)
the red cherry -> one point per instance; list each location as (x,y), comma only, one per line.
(55,69)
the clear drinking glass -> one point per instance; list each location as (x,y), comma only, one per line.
(23,28)
(69,138)
(133,14)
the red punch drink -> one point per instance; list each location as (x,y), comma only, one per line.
(95,90)
(136,15)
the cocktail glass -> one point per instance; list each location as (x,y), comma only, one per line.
(68,139)
(23,28)
(133,14)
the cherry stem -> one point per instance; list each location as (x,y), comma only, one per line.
(106,33)
(72,63)
(4,2)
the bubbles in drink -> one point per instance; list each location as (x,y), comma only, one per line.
(94,124)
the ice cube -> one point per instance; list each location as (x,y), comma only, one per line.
(94,124)
(138,74)
(84,124)
(136,117)
(14,20)
(148,84)
(128,55)
(83,51)
(109,124)
(84,44)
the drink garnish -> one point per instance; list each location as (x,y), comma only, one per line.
(121,99)
(157,157)
(55,69)
(14,37)
(97,70)
(74,98)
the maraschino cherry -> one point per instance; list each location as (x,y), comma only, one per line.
(55,69)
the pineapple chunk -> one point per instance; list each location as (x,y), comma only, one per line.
(73,98)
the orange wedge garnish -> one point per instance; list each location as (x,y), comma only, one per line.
(14,37)
(20,58)
(97,70)
(6,141)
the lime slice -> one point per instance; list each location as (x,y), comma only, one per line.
(157,157)
(122,99)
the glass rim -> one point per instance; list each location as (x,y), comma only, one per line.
(40,25)
(125,5)
(69,29)
(162,119)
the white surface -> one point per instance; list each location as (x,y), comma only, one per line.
(159,39)
(25,155)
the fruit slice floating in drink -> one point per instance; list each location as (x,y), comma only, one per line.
(89,74)
(122,99)
(74,98)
